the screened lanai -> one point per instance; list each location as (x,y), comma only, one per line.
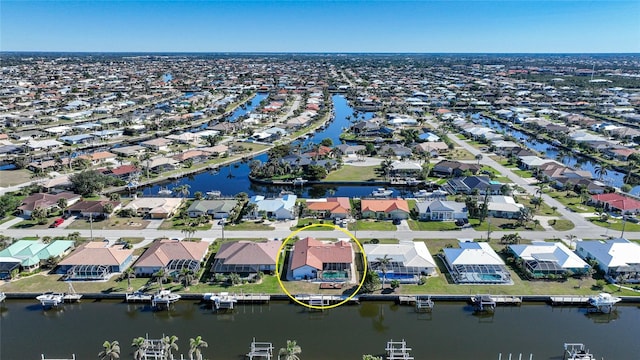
(88,272)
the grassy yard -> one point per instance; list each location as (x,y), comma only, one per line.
(543,208)
(503,224)
(112,223)
(380,240)
(616,224)
(460,154)
(14,177)
(561,224)
(42,282)
(308,221)
(572,201)
(522,173)
(181,224)
(354,173)
(372,225)
(248,225)
(432,225)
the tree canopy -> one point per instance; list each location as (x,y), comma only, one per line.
(89,182)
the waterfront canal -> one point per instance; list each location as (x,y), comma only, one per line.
(452,331)
(233,179)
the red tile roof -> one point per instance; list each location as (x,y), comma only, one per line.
(339,205)
(384,205)
(618,201)
(314,253)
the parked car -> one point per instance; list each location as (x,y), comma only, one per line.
(57,222)
(397,221)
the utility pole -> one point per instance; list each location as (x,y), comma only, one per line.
(91,225)
(624,224)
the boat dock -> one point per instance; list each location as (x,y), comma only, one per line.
(73,357)
(324,300)
(221,301)
(50,299)
(398,350)
(569,300)
(485,302)
(260,350)
(423,303)
(138,297)
(2,296)
(576,351)
(163,299)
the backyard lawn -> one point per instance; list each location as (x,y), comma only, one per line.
(354,173)
(561,224)
(372,225)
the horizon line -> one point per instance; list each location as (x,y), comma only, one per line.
(312,52)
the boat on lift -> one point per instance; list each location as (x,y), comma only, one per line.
(604,302)
(50,299)
(300,181)
(382,192)
(164,191)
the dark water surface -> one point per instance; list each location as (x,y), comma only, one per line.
(452,331)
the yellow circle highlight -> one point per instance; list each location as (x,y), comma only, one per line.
(364,260)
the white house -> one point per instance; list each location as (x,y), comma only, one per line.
(408,260)
(543,258)
(440,210)
(476,263)
(616,257)
(281,208)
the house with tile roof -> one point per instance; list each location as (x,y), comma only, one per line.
(331,208)
(314,259)
(282,208)
(171,255)
(95,260)
(31,254)
(218,209)
(154,208)
(409,260)
(246,257)
(46,201)
(384,208)
(617,202)
(618,258)
(544,258)
(93,208)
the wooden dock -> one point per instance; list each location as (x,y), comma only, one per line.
(569,300)
(138,297)
(324,300)
(398,350)
(260,350)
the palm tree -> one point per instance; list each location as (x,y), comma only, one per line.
(187,277)
(382,264)
(161,276)
(479,157)
(111,351)
(138,345)
(601,171)
(291,351)
(170,344)
(128,274)
(195,347)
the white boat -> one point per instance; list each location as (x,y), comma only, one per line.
(604,302)
(412,181)
(213,194)
(138,296)
(299,181)
(2,296)
(50,299)
(164,298)
(421,194)
(382,192)
(577,352)
(164,191)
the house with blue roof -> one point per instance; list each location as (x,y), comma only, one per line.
(31,254)
(76,139)
(282,208)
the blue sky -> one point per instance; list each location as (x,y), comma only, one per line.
(321,26)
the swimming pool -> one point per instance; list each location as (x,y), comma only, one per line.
(394,276)
(332,274)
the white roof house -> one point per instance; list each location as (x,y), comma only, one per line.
(614,256)
(407,257)
(549,257)
(280,208)
(476,263)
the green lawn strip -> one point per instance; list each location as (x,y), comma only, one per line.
(432,225)
(354,173)
(522,173)
(112,223)
(503,224)
(268,285)
(308,221)
(561,224)
(616,224)
(491,170)
(372,225)
(572,201)
(41,282)
(542,209)
(380,240)
(181,224)
(502,179)
(412,204)
(246,225)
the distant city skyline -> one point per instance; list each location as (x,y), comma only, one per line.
(499,26)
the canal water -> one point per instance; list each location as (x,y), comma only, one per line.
(452,331)
(613,178)
(232,179)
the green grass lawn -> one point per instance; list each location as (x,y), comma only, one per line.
(561,224)
(573,202)
(112,223)
(181,224)
(542,209)
(498,224)
(372,225)
(248,225)
(616,224)
(522,173)
(491,170)
(380,240)
(308,221)
(354,173)
(416,225)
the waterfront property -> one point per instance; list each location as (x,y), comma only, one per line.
(408,260)
(541,259)
(471,184)
(475,263)
(617,202)
(246,257)
(618,258)
(442,210)
(326,261)
(172,256)
(384,209)
(95,260)
(154,208)
(280,209)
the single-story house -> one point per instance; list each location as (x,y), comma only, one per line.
(408,260)
(158,144)
(95,260)
(171,255)
(218,209)
(617,202)
(46,201)
(8,267)
(333,208)
(454,168)
(546,258)
(470,184)
(500,206)
(282,208)
(441,210)
(244,257)
(405,168)
(314,259)
(475,263)
(31,254)
(155,208)
(384,208)
(93,208)
(618,258)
